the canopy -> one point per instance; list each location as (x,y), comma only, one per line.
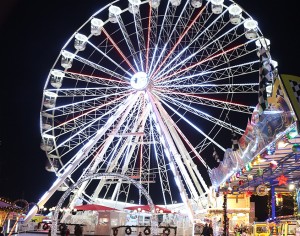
(94,207)
(4,204)
(147,208)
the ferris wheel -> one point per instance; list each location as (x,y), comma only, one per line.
(149,89)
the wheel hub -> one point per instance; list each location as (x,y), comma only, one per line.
(139,80)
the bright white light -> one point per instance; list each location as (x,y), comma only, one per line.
(57,73)
(177,181)
(167,154)
(158,129)
(56,182)
(81,37)
(97,22)
(183,198)
(114,10)
(67,54)
(110,119)
(44,196)
(154,117)
(281,144)
(234,9)
(262,42)
(135,2)
(139,80)
(162,140)
(250,24)
(172,167)
(291,186)
(50,94)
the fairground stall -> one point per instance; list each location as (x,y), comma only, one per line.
(270,166)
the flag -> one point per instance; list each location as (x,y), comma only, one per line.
(215,155)
(234,140)
(291,85)
(265,78)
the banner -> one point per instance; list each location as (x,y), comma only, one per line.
(291,85)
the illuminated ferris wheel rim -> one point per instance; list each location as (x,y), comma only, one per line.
(233,9)
(145,93)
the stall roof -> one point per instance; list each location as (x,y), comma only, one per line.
(147,208)
(94,207)
(284,161)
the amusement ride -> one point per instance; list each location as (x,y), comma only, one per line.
(155,91)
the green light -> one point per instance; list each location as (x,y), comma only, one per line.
(292,134)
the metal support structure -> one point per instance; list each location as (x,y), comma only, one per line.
(154,222)
(76,161)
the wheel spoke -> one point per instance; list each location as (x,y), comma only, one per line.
(110,59)
(133,52)
(201,114)
(212,102)
(119,51)
(213,88)
(210,76)
(101,68)
(95,79)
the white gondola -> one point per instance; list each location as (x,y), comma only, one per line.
(250,26)
(52,156)
(175,2)
(67,59)
(133,6)
(46,122)
(235,14)
(114,12)
(217,6)
(52,165)
(48,115)
(49,99)
(262,42)
(80,41)
(196,3)
(56,78)
(96,26)
(47,142)
(155,3)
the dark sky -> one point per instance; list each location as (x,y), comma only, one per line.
(32,34)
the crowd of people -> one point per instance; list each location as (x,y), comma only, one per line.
(65,231)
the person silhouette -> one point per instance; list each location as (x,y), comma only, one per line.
(78,230)
(205,231)
(210,230)
(1,229)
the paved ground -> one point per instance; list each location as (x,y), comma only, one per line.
(32,234)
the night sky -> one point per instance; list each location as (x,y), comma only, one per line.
(32,35)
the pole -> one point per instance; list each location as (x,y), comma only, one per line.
(273,202)
(225,221)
